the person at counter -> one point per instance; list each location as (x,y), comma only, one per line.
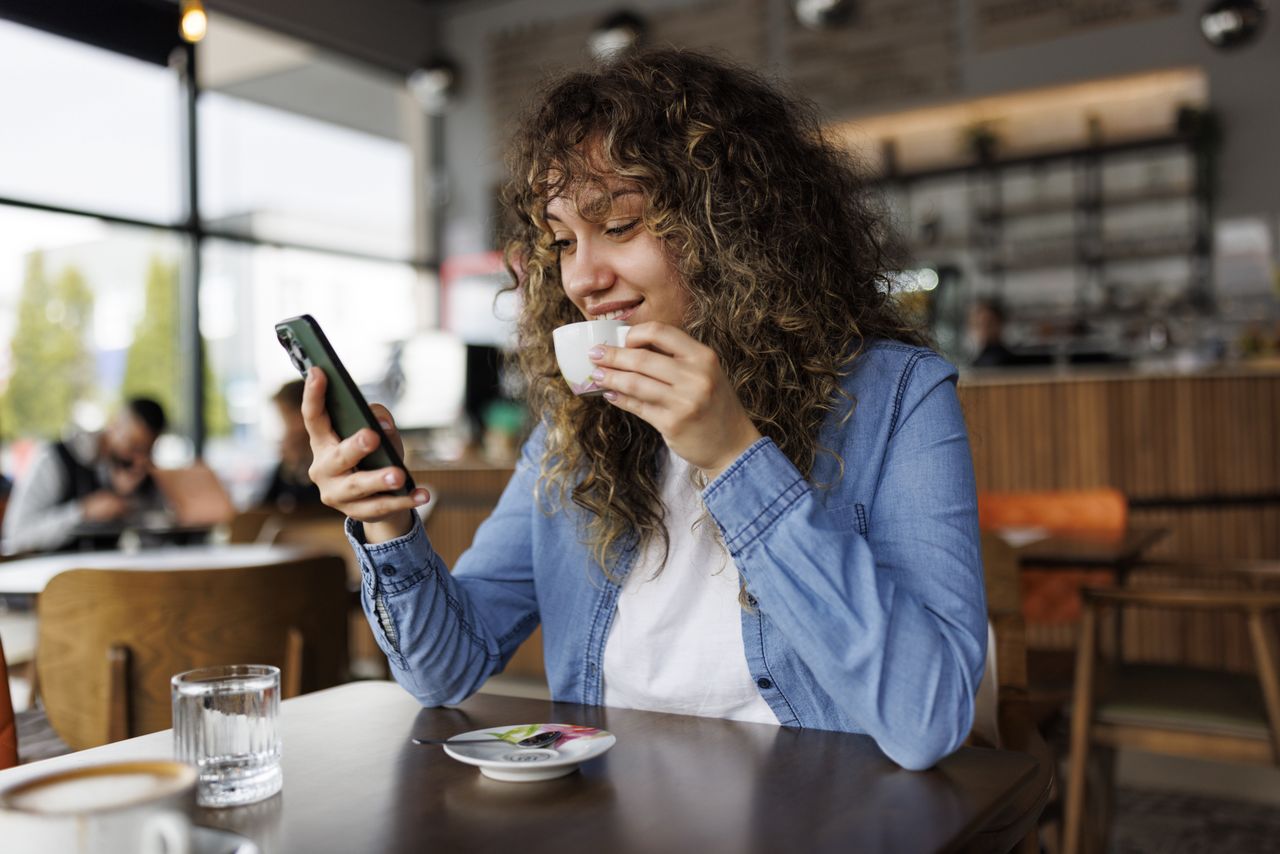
(289,488)
(770,513)
(986,334)
(89,478)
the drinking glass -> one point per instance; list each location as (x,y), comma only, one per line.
(224,723)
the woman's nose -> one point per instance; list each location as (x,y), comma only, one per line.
(589,271)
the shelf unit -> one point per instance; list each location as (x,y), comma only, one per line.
(1074,215)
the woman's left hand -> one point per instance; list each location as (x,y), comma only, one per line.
(677,385)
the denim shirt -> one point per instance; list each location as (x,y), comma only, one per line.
(867,607)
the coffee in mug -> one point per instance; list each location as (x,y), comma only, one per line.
(572,343)
(115,808)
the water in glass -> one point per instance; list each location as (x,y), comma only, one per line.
(224,723)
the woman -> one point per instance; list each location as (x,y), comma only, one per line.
(771,514)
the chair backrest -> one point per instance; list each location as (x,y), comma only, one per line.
(1103,511)
(8,725)
(109,640)
(323,532)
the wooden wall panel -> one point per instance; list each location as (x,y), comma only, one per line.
(1199,456)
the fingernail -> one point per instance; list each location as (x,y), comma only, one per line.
(597,375)
(385,425)
(389,478)
(420,496)
(596,352)
(610,395)
(366,442)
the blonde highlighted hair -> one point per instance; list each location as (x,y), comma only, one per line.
(770,227)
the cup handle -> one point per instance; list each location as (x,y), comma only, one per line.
(167,833)
(620,335)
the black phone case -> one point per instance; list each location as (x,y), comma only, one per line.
(307,345)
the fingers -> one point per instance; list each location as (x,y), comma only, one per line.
(388,425)
(347,454)
(314,416)
(664,338)
(362,484)
(659,366)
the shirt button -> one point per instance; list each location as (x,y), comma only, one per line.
(752,601)
(388,571)
(591,668)
(763,684)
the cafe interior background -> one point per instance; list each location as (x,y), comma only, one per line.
(1105,169)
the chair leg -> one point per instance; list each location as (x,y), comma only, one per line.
(1101,800)
(1081,718)
(1268,674)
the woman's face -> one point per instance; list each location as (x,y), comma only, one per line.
(615,268)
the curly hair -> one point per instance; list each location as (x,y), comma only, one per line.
(769,225)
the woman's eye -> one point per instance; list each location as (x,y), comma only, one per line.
(561,244)
(622,229)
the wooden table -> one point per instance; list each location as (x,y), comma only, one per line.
(1079,551)
(29,575)
(354,783)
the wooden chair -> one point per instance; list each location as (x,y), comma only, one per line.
(109,640)
(1050,600)
(1015,827)
(1168,709)
(8,723)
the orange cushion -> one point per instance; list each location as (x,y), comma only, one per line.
(1058,511)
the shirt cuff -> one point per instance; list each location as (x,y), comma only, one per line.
(753,492)
(394,565)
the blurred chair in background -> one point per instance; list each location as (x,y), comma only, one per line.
(1007,722)
(109,640)
(1168,709)
(1050,598)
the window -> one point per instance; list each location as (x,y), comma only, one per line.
(88,315)
(59,99)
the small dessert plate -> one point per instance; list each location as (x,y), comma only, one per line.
(495,753)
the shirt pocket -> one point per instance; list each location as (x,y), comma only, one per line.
(850,517)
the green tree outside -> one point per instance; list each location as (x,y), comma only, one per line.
(52,367)
(153,365)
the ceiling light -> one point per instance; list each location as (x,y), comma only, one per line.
(434,84)
(617,34)
(194,23)
(823,14)
(1232,23)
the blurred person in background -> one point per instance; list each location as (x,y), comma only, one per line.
(986,334)
(86,479)
(290,488)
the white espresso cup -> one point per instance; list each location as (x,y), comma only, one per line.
(115,808)
(574,340)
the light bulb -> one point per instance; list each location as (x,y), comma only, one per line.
(194,22)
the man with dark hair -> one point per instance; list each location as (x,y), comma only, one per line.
(86,478)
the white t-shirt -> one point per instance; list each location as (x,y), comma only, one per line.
(676,640)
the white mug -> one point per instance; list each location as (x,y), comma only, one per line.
(572,343)
(115,808)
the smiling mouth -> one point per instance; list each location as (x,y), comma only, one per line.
(619,313)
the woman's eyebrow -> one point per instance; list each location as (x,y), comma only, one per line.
(613,197)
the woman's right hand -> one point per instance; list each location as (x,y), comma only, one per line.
(361,495)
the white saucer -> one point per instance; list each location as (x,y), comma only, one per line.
(494,751)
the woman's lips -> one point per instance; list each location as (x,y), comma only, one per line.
(622,313)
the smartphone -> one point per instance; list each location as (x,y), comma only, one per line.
(304,341)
